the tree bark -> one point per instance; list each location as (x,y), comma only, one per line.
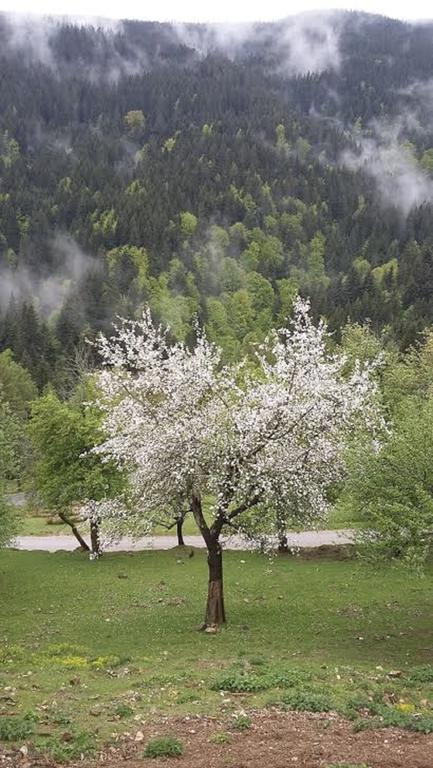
(94,538)
(215,611)
(179,531)
(283,544)
(83,544)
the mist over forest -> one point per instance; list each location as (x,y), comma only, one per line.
(212,171)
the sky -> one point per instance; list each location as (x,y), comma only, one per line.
(221,11)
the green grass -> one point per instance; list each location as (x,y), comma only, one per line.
(84,649)
(31,524)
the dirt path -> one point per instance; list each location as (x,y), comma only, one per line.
(275,740)
(304,539)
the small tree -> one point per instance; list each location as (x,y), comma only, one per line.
(250,437)
(11,438)
(135,121)
(66,473)
(391,488)
(17,386)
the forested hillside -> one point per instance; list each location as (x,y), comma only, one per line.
(212,171)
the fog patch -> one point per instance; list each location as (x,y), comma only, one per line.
(308,42)
(391,163)
(35,39)
(48,292)
(312,42)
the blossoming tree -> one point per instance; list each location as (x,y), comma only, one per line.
(264,441)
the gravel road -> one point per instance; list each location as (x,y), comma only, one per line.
(68,543)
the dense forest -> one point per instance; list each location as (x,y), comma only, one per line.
(212,172)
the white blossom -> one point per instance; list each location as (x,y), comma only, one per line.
(262,440)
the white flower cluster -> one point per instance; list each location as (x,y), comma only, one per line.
(264,440)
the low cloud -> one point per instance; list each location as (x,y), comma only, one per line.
(312,43)
(383,155)
(70,264)
(308,42)
(35,38)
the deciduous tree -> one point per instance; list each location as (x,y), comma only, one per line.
(253,438)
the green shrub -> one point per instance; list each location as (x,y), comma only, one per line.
(61,718)
(17,728)
(81,743)
(307,701)
(422,674)
(240,721)
(123,710)
(389,717)
(237,681)
(164,746)
(187,696)
(220,737)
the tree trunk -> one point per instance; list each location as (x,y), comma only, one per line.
(283,544)
(215,612)
(94,538)
(179,531)
(83,544)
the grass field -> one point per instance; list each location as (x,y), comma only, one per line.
(94,647)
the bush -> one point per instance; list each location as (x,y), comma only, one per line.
(185,697)
(390,717)
(422,674)
(164,746)
(17,728)
(79,744)
(237,681)
(307,701)
(220,737)
(123,710)
(8,521)
(240,721)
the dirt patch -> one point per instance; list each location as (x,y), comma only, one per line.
(274,740)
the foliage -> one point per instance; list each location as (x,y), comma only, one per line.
(16,385)
(66,472)
(134,120)
(164,746)
(264,441)
(16,728)
(12,443)
(226,430)
(248,681)
(253,147)
(11,464)
(305,700)
(392,487)
(220,737)
(8,522)
(240,721)
(80,743)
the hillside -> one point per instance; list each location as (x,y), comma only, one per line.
(212,171)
